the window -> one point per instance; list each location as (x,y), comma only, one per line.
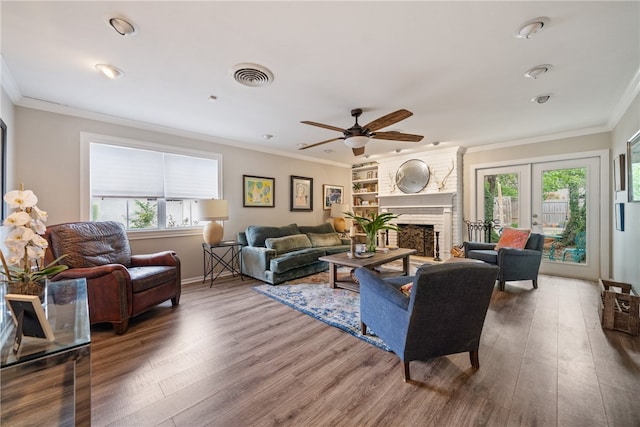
(147,186)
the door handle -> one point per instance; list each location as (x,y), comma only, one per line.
(535,215)
(535,222)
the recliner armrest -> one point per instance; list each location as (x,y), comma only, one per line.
(92,272)
(512,252)
(371,284)
(159,258)
(471,246)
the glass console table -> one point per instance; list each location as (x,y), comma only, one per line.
(48,383)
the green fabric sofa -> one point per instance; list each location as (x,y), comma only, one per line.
(277,254)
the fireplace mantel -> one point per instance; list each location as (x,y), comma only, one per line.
(424,200)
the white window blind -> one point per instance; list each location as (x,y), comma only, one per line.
(130,172)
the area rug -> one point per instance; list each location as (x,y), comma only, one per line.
(339,308)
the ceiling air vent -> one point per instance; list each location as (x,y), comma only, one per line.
(252,75)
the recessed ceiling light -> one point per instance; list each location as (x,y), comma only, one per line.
(212,98)
(435,143)
(109,71)
(302,145)
(122,27)
(267,136)
(532,27)
(541,99)
(328,151)
(398,150)
(537,71)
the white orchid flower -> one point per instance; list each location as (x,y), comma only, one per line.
(39,214)
(35,253)
(21,199)
(39,241)
(17,219)
(38,226)
(21,234)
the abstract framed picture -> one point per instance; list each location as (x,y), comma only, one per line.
(301,194)
(633,168)
(619,216)
(332,194)
(29,317)
(258,191)
(619,173)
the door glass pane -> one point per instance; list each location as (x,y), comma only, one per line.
(501,198)
(564,214)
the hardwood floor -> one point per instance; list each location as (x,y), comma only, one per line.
(228,356)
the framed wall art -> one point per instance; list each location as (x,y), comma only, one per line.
(619,172)
(633,168)
(619,216)
(332,194)
(258,191)
(29,317)
(301,193)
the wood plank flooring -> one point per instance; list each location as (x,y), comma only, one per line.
(228,356)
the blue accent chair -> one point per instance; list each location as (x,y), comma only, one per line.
(515,264)
(444,313)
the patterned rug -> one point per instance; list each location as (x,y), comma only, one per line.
(339,308)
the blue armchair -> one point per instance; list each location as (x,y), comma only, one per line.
(515,264)
(444,313)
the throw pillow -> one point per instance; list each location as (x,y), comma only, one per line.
(288,243)
(406,289)
(325,239)
(513,238)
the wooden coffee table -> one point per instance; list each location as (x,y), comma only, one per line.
(379,258)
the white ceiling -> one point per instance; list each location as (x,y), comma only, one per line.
(456,65)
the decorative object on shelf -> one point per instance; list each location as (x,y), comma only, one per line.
(301,194)
(24,269)
(392,183)
(633,168)
(213,210)
(442,184)
(258,192)
(332,194)
(338,213)
(373,224)
(412,176)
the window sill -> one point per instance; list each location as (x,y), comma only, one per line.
(163,234)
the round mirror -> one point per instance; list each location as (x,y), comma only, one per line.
(412,176)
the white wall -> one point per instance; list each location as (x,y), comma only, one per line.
(48,162)
(625,245)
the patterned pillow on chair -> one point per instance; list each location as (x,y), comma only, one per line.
(513,238)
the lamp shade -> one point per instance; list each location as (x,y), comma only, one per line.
(338,210)
(212,210)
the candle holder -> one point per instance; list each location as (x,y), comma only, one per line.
(437,257)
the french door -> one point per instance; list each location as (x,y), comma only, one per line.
(560,199)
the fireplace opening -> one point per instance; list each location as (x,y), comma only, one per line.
(418,237)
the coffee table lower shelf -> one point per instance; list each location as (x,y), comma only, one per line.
(381,258)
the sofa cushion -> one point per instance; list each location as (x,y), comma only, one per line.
(484,255)
(90,244)
(513,238)
(257,234)
(330,250)
(324,239)
(317,229)
(143,278)
(295,259)
(288,243)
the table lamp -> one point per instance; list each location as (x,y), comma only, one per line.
(338,215)
(213,210)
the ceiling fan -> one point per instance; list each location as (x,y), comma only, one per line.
(358,136)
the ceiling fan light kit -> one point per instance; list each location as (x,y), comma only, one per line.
(356,141)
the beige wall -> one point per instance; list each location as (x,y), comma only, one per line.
(48,162)
(625,246)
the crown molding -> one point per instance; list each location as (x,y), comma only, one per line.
(8,82)
(625,101)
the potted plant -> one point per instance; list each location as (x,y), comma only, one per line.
(374,223)
(23,268)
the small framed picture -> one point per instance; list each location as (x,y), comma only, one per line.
(29,317)
(620,216)
(258,192)
(301,193)
(332,194)
(619,172)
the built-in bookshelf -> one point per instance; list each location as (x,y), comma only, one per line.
(364,187)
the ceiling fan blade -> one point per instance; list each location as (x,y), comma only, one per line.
(388,120)
(319,143)
(320,125)
(358,151)
(397,136)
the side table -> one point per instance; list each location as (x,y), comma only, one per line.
(212,260)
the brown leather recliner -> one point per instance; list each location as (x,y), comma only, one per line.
(119,285)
